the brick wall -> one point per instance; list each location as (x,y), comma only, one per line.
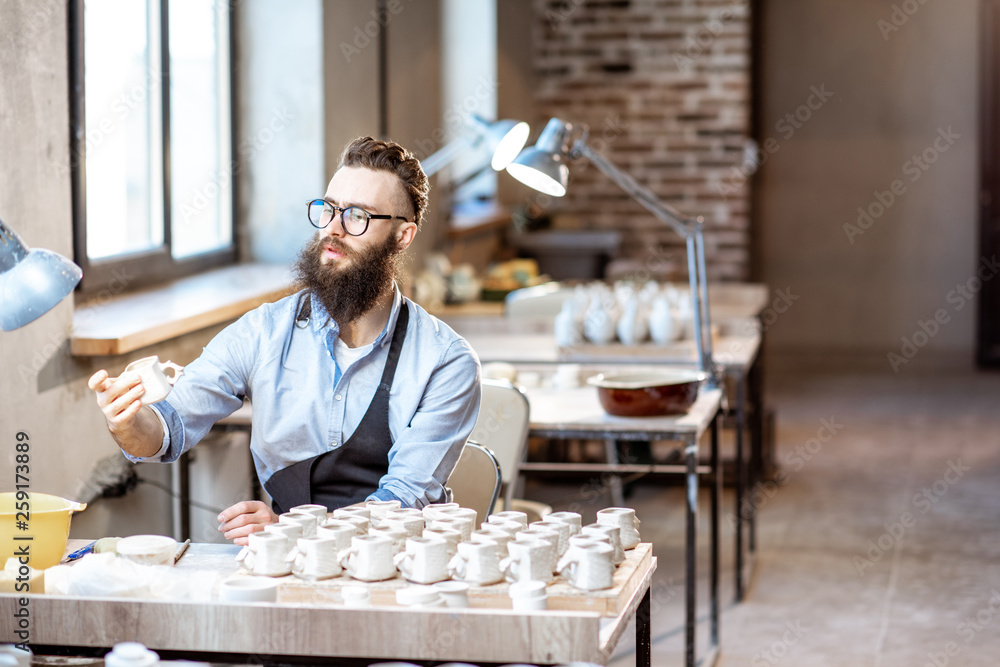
(664,87)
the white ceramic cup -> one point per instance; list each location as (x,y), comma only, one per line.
(512,528)
(476,563)
(379,508)
(550,537)
(156,383)
(345,511)
(466,512)
(356,596)
(560,527)
(626,520)
(315,558)
(452,537)
(588,566)
(509,515)
(397,535)
(434,510)
(425,560)
(567,376)
(528,596)
(265,554)
(613,536)
(529,560)
(463,525)
(573,519)
(419,597)
(249,589)
(413,526)
(369,558)
(307,522)
(361,523)
(499,537)
(290,531)
(455,593)
(318,511)
(340,531)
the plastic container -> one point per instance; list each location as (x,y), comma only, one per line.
(131,654)
(148,549)
(47,523)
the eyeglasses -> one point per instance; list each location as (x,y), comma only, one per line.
(354,220)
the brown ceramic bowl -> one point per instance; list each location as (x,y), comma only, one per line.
(648,394)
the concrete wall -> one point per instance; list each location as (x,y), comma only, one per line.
(897,83)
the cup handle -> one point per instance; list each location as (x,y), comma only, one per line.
(456,567)
(242,554)
(508,566)
(565,563)
(345,557)
(402,562)
(178,371)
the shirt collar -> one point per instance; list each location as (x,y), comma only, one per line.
(321,319)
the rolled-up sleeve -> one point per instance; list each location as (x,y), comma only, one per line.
(426,451)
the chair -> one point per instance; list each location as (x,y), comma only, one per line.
(475,481)
(504,416)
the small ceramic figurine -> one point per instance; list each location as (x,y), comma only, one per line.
(663,326)
(633,327)
(599,320)
(567,325)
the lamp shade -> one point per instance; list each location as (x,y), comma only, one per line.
(32,281)
(543,166)
(504,139)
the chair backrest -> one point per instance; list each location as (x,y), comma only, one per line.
(475,481)
(502,426)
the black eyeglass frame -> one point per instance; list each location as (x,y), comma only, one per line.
(339,211)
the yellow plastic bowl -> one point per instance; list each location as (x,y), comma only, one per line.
(47,526)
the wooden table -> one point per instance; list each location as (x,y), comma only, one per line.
(737,356)
(577,413)
(309,621)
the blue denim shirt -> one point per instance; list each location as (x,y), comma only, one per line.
(303,406)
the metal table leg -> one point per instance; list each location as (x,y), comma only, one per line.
(716,505)
(643,632)
(690,553)
(740,483)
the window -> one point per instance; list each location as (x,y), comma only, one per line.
(152,132)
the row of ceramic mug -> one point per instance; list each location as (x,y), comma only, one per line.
(374,542)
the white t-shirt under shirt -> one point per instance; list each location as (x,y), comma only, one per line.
(345,356)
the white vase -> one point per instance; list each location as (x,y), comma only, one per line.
(599,320)
(567,325)
(633,327)
(664,327)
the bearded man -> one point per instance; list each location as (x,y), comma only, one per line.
(357,392)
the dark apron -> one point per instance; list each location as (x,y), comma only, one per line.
(350,473)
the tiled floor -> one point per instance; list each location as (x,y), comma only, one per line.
(882,547)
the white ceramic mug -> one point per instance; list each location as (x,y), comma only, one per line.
(315,558)
(265,554)
(466,512)
(290,531)
(476,563)
(156,383)
(613,536)
(452,537)
(356,596)
(501,539)
(318,511)
(463,525)
(588,566)
(412,525)
(379,508)
(626,520)
(512,528)
(307,522)
(530,560)
(509,515)
(560,527)
(361,523)
(369,558)
(425,560)
(397,535)
(434,510)
(551,537)
(340,531)
(573,519)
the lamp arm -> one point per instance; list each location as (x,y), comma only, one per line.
(691,230)
(442,157)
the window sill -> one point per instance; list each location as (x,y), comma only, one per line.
(132,321)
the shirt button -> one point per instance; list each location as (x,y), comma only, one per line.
(338,397)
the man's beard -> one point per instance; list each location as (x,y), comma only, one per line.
(348,292)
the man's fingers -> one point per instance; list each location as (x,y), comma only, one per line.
(117,406)
(244,507)
(128,413)
(97,381)
(243,532)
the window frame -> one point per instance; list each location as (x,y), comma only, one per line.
(139,269)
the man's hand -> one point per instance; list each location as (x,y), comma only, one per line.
(242,519)
(118,398)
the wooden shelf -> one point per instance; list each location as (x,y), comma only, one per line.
(138,319)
